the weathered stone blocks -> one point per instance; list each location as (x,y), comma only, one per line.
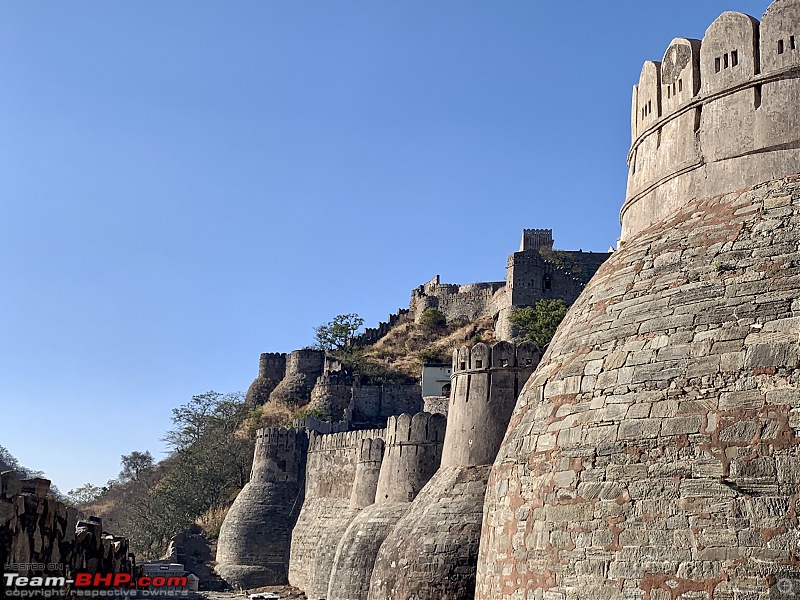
(682,482)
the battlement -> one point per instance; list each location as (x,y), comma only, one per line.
(272,365)
(335,378)
(715,115)
(486,381)
(341,441)
(372,334)
(371,450)
(279,455)
(502,355)
(536,239)
(420,428)
(280,437)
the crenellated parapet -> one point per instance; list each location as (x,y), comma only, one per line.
(372,334)
(368,468)
(279,455)
(536,239)
(255,538)
(413,454)
(716,115)
(271,370)
(486,381)
(344,441)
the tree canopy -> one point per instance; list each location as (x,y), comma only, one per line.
(336,334)
(539,323)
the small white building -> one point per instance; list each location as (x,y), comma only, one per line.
(436,379)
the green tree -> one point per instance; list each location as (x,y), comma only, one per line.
(335,335)
(432,319)
(84,494)
(134,464)
(539,323)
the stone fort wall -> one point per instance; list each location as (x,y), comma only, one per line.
(715,116)
(254,540)
(432,552)
(326,512)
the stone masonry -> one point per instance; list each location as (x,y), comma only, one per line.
(715,116)
(432,552)
(254,541)
(413,454)
(536,272)
(40,536)
(654,453)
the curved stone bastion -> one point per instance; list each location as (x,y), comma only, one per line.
(715,116)
(654,454)
(432,552)
(254,541)
(413,454)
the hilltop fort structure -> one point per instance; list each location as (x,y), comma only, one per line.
(536,272)
(332,512)
(654,452)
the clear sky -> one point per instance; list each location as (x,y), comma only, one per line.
(187,184)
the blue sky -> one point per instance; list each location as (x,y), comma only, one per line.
(188,184)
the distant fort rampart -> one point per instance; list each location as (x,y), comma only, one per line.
(715,116)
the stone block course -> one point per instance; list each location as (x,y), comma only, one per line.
(698,439)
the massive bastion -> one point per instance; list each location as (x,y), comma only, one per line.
(654,453)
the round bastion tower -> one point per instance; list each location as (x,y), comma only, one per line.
(655,452)
(271,370)
(255,538)
(413,454)
(432,552)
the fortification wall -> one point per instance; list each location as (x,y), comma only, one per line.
(413,454)
(271,370)
(456,301)
(255,538)
(715,116)
(326,512)
(303,367)
(374,403)
(532,278)
(654,453)
(38,534)
(485,384)
(536,239)
(368,470)
(432,552)
(373,334)
(332,394)
(356,552)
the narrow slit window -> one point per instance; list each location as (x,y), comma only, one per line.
(717,64)
(463,366)
(725,61)
(698,115)
(757,96)
(673,90)
(792,43)
(668,92)
(658,138)
(734,58)
(649,106)
(780,46)
(680,85)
